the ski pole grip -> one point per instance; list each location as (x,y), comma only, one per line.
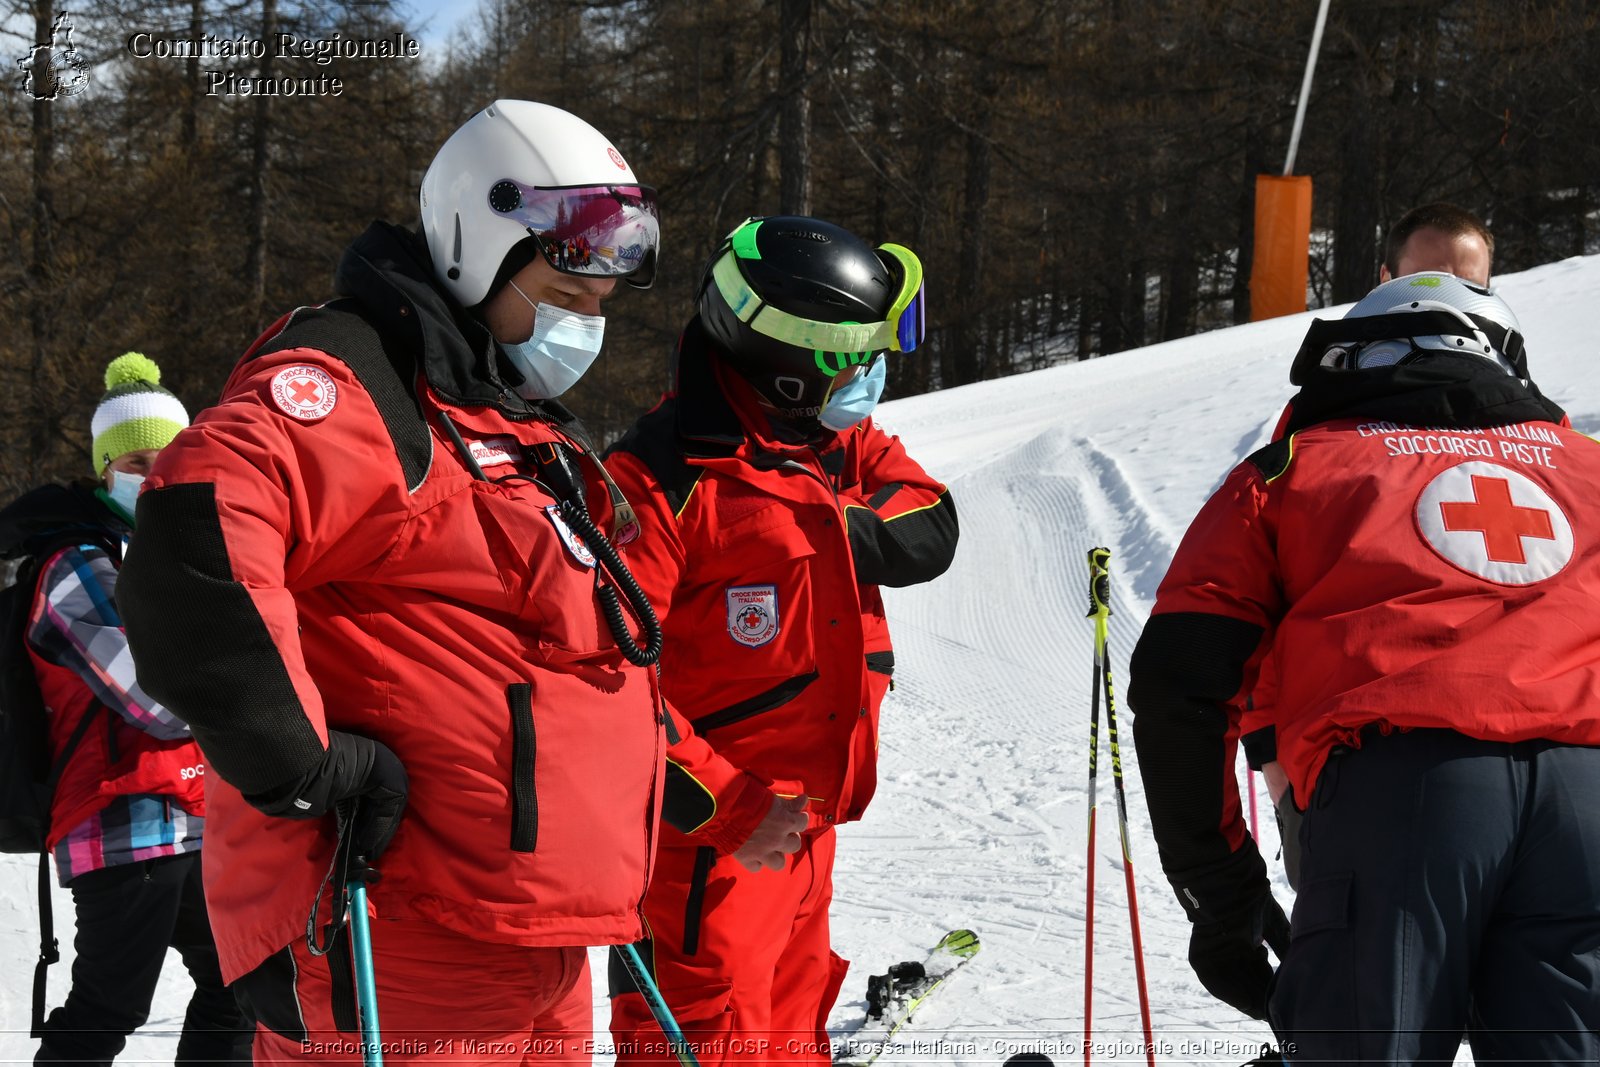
(1099,581)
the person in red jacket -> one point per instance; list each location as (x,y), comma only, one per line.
(772,510)
(370,581)
(127,815)
(1416,557)
(1433,237)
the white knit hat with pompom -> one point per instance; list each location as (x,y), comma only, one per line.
(136,413)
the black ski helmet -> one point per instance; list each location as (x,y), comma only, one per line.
(791,301)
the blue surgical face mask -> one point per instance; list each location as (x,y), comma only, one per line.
(564,345)
(855,399)
(125,489)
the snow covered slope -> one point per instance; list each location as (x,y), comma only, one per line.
(980,818)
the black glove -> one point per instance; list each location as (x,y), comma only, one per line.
(359,779)
(1230,960)
(1231,906)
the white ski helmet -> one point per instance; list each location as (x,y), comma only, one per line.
(519,169)
(1411,317)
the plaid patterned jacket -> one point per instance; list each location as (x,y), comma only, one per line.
(132,789)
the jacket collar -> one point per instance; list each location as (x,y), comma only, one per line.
(387,271)
(1446,391)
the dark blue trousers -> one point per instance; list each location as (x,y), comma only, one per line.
(1447,886)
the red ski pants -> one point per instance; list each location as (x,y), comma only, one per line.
(442,998)
(742,959)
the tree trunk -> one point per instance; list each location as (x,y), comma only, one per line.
(191,99)
(1177,273)
(794,117)
(1087,314)
(41,265)
(1113,338)
(1244,260)
(969,274)
(255,268)
(1355,232)
(1136,293)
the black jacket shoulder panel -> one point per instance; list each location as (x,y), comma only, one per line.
(386,370)
(653,440)
(1272,459)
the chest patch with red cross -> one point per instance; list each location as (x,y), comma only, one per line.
(580,551)
(305,393)
(752,614)
(1496,523)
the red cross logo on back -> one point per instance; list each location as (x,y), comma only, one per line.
(1495,522)
(1502,523)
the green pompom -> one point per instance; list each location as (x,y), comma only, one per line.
(132,367)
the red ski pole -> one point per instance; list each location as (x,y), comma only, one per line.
(1096,606)
(1100,609)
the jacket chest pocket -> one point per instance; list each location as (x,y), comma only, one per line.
(759,603)
(545,572)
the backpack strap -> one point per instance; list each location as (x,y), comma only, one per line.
(49,947)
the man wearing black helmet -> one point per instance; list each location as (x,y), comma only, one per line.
(771,510)
(1416,559)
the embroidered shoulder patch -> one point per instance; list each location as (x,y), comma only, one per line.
(752,614)
(305,393)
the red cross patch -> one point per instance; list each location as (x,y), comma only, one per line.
(306,393)
(752,614)
(1496,523)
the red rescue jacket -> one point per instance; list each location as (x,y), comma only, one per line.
(764,561)
(356,573)
(1438,571)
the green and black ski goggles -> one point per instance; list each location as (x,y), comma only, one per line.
(902,330)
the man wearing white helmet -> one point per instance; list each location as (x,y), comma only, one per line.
(1437,236)
(379,581)
(1419,558)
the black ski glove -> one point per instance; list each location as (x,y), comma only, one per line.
(1231,906)
(359,779)
(1230,960)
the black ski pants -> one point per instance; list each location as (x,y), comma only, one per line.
(127,917)
(1448,886)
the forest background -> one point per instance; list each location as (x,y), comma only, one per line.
(1078,176)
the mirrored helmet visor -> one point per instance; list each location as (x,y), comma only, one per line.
(598,231)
